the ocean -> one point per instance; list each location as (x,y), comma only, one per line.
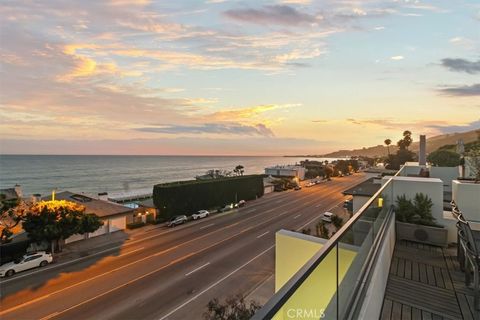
(93,174)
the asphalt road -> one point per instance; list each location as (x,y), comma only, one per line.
(172,274)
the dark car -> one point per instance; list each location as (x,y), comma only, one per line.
(298,188)
(175,221)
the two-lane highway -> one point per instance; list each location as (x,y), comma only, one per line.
(172,274)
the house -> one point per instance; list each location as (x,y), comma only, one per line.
(145,211)
(113,215)
(363,191)
(11,193)
(268,186)
(288,171)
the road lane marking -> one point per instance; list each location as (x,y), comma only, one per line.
(127,243)
(194,270)
(258,237)
(147,257)
(58,265)
(315,218)
(279,201)
(215,283)
(126,253)
(297,216)
(135,279)
(208,225)
(49,316)
(318,205)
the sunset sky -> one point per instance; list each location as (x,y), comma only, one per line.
(234,77)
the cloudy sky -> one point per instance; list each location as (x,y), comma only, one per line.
(234,77)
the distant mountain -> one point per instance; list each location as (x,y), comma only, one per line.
(433,144)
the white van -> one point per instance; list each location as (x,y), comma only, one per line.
(327,216)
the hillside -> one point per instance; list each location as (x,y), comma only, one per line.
(433,144)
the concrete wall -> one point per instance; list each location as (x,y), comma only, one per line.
(467,197)
(446,174)
(411,168)
(410,186)
(433,188)
(372,305)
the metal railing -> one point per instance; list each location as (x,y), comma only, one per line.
(332,284)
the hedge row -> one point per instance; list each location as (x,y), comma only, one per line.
(187,197)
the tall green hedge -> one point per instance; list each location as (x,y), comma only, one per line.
(187,197)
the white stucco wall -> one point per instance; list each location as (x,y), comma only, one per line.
(467,197)
(446,174)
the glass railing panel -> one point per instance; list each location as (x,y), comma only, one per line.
(353,248)
(316,297)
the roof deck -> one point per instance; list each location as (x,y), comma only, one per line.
(425,282)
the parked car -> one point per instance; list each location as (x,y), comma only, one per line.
(175,221)
(200,214)
(28,261)
(327,216)
(298,188)
(241,203)
(227,207)
(310,184)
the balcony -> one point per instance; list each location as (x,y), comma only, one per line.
(362,272)
(425,282)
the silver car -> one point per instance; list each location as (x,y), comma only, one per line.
(175,221)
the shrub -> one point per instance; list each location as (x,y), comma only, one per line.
(337,221)
(233,308)
(135,225)
(321,230)
(418,211)
(186,197)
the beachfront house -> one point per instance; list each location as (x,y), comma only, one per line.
(113,215)
(287,171)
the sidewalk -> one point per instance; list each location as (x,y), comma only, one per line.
(263,292)
(111,241)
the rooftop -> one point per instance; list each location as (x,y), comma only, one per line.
(366,188)
(9,193)
(100,207)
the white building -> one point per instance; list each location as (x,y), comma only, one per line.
(288,171)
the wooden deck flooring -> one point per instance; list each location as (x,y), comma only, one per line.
(425,282)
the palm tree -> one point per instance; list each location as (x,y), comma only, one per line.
(239,170)
(388,142)
(407,138)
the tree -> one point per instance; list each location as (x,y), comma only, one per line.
(328,170)
(444,158)
(394,161)
(404,143)
(239,170)
(474,161)
(234,308)
(337,221)
(388,142)
(55,220)
(11,212)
